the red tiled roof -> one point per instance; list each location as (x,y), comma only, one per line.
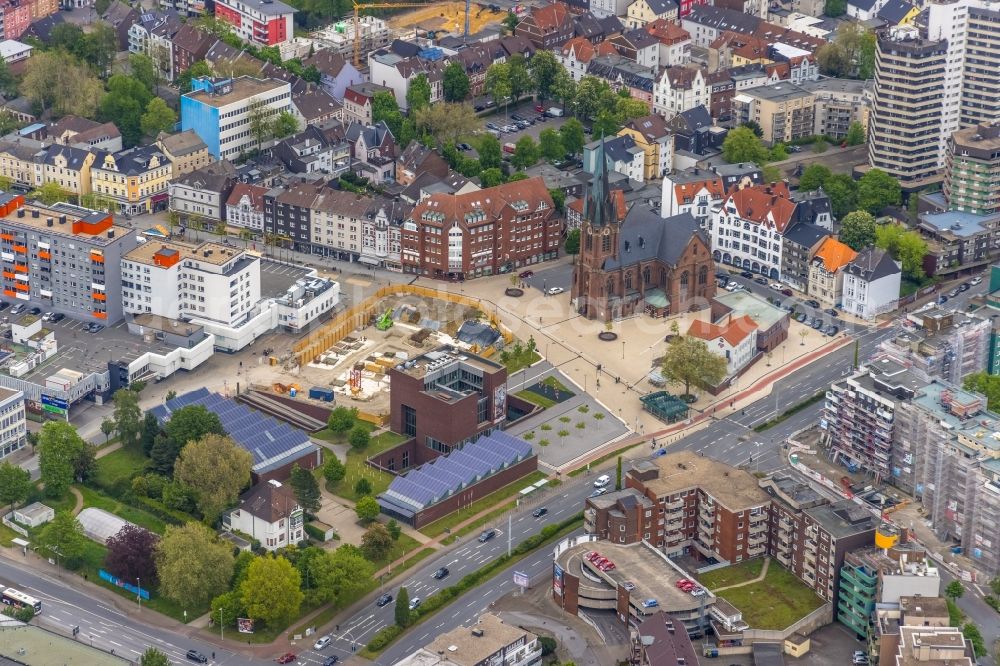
(255,192)
(733,332)
(685,192)
(667,32)
(490,201)
(551,16)
(581,48)
(764,203)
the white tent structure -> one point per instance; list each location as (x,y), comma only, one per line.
(100,525)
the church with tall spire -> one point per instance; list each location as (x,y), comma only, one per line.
(633,261)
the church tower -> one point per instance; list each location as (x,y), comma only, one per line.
(598,242)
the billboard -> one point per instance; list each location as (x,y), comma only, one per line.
(557,579)
(54,405)
(520,579)
(245,625)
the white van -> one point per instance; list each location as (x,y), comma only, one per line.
(602,481)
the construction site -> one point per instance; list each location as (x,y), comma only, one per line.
(447,17)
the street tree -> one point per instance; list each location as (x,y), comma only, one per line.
(127,416)
(59,448)
(216,469)
(905,246)
(497,83)
(742,145)
(158,118)
(15,484)
(876,190)
(563,88)
(367,509)
(306,488)
(573,242)
(455,82)
(107,428)
(227,607)
(193,564)
(50,193)
(342,419)
(490,154)
(550,144)
(418,95)
(131,554)
(518,77)
(813,177)
(690,362)
(153,657)
(376,542)
(572,135)
(402,610)
(525,153)
(63,538)
(857,230)
(954,590)
(259,121)
(543,68)
(271,591)
(490,177)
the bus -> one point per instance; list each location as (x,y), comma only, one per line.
(18,599)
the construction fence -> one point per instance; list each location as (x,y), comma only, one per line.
(309,349)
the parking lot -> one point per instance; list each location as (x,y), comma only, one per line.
(524,110)
(275,278)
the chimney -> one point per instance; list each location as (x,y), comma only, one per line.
(34,212)
(111,233)
(62,219)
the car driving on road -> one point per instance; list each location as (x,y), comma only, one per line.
(441,573)
(384,600)
(487,535)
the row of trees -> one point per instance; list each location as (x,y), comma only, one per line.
(873,192)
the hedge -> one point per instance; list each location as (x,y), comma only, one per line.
(315,532)
(161,510)
(384,637)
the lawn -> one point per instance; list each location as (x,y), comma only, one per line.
(328,435)
(403,545)
(495,498)
(96,499)
(7,535)
(516,362)
(776,602)
(535,399)
(737,573)
(119,465)
(356,468)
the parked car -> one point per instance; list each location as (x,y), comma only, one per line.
(698,592)
(17,309)
(552,291)
(832,312)
(965,286)
(331,660)
(47,316)
(441,573)
(747,274)
(786,292)
(801,317)
(195,656)
(817,323)
(775,285)
(487,535)
(607,566)
(628,585)
(286,658)
(795,149)
(524,275)
(94,327)
(492,126)
(539,108)
(592,555)
(650,603)
(4,305)
(953,293)
(539,512)
(813,304)
(35,311)
(733,286)
(943,299)
(598,492)
(976,280)
(515,116)
(57,317)
(602,481)
(322,643)
(384,600)
(761,280)
(415,603)
(832,330)
(464,147)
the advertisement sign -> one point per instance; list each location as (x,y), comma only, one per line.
(115,580)
(520,579)
(54,405)
(557,579)
(245,625)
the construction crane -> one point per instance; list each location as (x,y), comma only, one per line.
(358,6)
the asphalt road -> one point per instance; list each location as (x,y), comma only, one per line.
(65,607)
(976,611)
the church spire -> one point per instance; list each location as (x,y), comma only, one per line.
(598,208)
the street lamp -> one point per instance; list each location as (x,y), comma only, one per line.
(623,350)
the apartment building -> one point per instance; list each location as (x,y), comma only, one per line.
(202,194)
(245,207)
(260,22)
(185,150)
(694,191)
(398,72)
(288,213)
(337,223)
(826,275)
(871,284)
(941,347)
(358,102)
(221,111)
(679,89)
(13,426)
(839,103)
(972,170)
(784,111)
(137,180)
(30,164)
(917,631)
(482,232)
(652,135)
(905,125)
(859,419)
(63,258)
(704,508)
(210,281)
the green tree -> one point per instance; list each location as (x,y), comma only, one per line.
(777,153)
(342,419)
(158,118)
(15,484)
(629,108)
(835,8)
(754,126)
(152,656)
(843,193)
(56,81)
(194,566)
(742,145)
(573,242)
(63,537)
(525,153)
(150,429)
(127,416)
(107,428)
(196,70)
(497,83)
(259,121)
(813,177)
(447,123)
(142,69)
(216,469)
(190,423)
(285,125)
(689,361)
(333,470)
(306,488)
(550,144)
(866,56)
(594,95)
(618,474)
(66,37)
(572,135)
(876,190)
(271,591)
(367,509)
(490,177)
(229,606)
(362,487)
(605,125)
(543,68)
(359,438)
(50,193)
(376,542)
(402,609)
(973,635)
(99,47)
(59,448)
(988,385)
(418,96)
(858,230)
(558,199)
(954,590)
(395,531)
(123,105)
(490,154)
(509,22)
(455,82)
(563,88)
(905,246)
(350,572)
(855,134)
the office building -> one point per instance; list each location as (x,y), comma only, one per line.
(972,170)
(783,111)
(905,126)
(222,111)
(13,428)
(260,22)
(489,641)
(63,258)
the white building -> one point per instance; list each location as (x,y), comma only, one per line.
(733,339)
(489,641)
(245,207)
(871,284)
(203,192)
(695,191)
(13,429)
(14,51)
(679,89)
(604,8)
(270,514)
(396,72)
(622,155)
(305,302)
(381,241)
(747,228)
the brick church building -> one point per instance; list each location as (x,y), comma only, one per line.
(635,261)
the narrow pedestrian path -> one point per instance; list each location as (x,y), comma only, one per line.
(763,572)
(78,507)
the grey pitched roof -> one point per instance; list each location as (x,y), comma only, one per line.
(587,25)
(696,118)
(894,11)
(615,67)
(872,264)
(404,48)
(42,28)
(640,39)
(805,234)
(722,18)
(315,103)
(327,61)
(864,5)
(611,25)
(645,236)
(373,135)
(74,156)
(214,177)
(619,148)
(133,162)
(662,7)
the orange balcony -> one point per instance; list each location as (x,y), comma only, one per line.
(44,254)
(101,315)
(21,249)
(22,286)
(98,296)
(9,292)
(97,258)
(21,268)
(9,275)
(7,237)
